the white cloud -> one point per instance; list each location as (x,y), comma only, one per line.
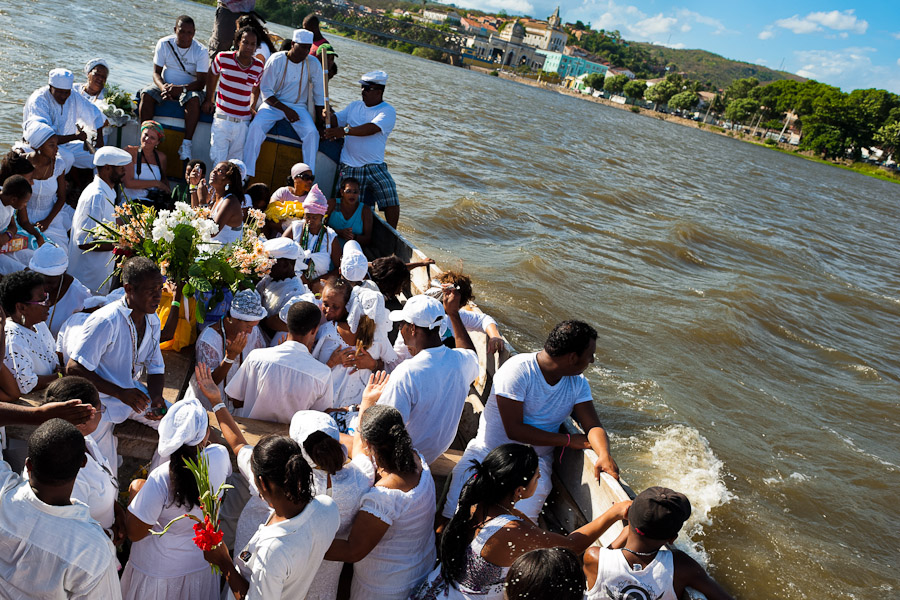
(761,61)
(510,6)
(685,27)
(766,34)
(717,26)
(675,46)
(850,68)
(818,21)
(657,25)
(896,35)
(898,62)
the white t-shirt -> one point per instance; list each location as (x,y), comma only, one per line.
(430,390)
(51,552)
(369,149)
(91,268)
(289,81)
(545,406)
(173,554)
(274,383)
(97,486)
(180,65)
(281,559)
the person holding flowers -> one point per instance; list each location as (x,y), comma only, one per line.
(319,252)
(286,204)
(227,201)
(170,566)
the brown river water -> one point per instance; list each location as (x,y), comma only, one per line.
(747,301)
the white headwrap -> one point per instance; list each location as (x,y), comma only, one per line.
(49,260)
(307,297)
(94,62)
(364,301)
(306,422)
(37,133)
(282,247)
(241,167)
(246,306)
(354,264)
(185,424)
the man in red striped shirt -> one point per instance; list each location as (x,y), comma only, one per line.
(236,74)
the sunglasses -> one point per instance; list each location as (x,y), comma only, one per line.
(43,302)
(305,176)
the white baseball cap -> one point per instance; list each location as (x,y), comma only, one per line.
(421,311)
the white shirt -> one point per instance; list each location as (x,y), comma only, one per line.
(107,346)
(61,117)
(172,554)
(91,268)
(615,575)
(289,81)
(545,406)
(281,559)
(406,553)
(274,383)
(51,552)
(275,293)
(321,258)
(29,353)
(71,302)
(430,390)
(98,100)
(180,65)
(362,150)
(97,486)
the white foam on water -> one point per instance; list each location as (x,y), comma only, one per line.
(684,462)
(852,445)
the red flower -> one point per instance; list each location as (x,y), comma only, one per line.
(207,536)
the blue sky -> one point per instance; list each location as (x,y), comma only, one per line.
(846,44)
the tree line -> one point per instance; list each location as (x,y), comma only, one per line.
(832,123)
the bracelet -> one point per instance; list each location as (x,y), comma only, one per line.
(228,361)
(176,303)
(192,187)
(60,374)
(563,451)
(218,407)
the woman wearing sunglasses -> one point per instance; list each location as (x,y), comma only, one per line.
(30,348)
(298,185)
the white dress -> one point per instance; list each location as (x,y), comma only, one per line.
(210,350)
(71,302)
(481,579)
(406,553)
(347,489)
(149,172)
(97,486)
(348,385)
(44,194)
(171,566)
(29,353)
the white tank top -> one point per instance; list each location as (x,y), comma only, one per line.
(617,580)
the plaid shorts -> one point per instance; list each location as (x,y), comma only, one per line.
(156,93)
(376,186)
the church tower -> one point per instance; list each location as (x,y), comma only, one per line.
(554,21)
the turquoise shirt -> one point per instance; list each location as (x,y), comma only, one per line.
(337,221)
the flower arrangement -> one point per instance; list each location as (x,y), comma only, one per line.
(119,105)
(208,536)
(234,267)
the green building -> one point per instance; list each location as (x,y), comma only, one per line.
(569,66)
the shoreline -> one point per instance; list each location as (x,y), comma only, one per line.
(856,167)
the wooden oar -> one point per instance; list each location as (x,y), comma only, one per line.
(324,59)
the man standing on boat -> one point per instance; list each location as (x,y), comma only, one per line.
(232,85)
(58,107)
(365,126)
(180,64)
(291,81)
(533,394)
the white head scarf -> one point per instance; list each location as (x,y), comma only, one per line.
(306,422)
(49,260)
(37,133)
(364,301)
(247,306)
(307,297)
(282,247)
(94,62)
(354,264)
(185,424)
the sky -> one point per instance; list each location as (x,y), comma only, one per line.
(852,45)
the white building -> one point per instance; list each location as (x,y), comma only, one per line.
(548,36)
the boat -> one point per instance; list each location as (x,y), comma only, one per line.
(577,496)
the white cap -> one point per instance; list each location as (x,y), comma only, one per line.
(184,425)
(282,247)
(421,311)
(302,36)
(110,155)
(49,260)
(376,77)
(62,79)
(354,264)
